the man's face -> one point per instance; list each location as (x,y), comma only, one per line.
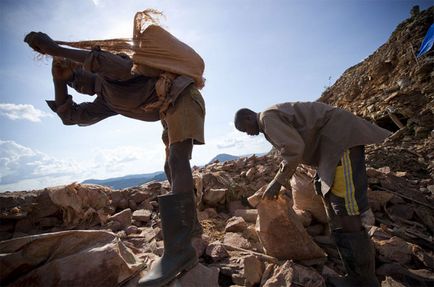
(249,126)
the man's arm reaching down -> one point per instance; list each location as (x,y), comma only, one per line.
(291,147)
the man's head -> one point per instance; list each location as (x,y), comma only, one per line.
(246,121)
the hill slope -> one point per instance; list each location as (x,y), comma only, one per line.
(391,84)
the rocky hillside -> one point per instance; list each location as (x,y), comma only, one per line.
(395,89)
(90,235)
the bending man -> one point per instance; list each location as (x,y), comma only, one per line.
(332,140)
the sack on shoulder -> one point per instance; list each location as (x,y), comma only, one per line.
(156,48)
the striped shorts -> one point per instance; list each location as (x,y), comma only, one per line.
(348,194)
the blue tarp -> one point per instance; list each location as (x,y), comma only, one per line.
(427,42)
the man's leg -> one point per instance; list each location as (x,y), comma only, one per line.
(344,204)
(177,220)
(179,165)
(184,122)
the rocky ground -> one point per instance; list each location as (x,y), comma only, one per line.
(89,235)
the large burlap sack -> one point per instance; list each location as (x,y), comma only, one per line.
(67,258)
(158,49)
(154,50)
(282,234)
(303,193)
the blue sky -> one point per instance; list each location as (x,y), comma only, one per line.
(257,53)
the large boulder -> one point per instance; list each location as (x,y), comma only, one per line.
(282,234)
(76,257)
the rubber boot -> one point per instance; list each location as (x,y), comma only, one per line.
(176,212)
(358,256)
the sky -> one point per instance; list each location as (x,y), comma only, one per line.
(256,53)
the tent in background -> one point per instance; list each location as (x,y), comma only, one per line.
(427,42)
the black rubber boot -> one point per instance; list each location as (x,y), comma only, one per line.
(176,212)
(358,256)
(197,227)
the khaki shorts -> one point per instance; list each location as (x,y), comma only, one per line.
(185,119)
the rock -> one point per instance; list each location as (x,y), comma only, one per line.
(277,220)
(142,215)
(236,240)
(368,218)
(256,197)
(253,269)
(216,251)
(250,174)
(6,226)
(114,226)
(394,249)
(232,206)
(214,196)
(292,275)
(78,254)
(139,196)
(123,203)
(49,222)
(44,206)
(132,204)
(123,217)
(116,196)
(328,272)
(304,216)
(24,225)
(249,215)
(235,224)
(132,230)
(199,276)
(207,214)
(390,282)
(200,244)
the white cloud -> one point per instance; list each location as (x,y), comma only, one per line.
(19,163)
(23,168)
(22,112)
(96,2)
(233,142)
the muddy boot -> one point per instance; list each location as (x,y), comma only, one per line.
(358,256)
(176,212)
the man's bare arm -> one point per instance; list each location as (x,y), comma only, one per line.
(42,43)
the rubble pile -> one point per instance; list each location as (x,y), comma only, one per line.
(247,241)
(395,89)
(96,236)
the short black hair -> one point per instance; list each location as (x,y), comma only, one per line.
(242,114)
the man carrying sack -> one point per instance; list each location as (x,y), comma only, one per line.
(153,92)
(332,140)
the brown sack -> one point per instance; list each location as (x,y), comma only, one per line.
(156,48)
(282,234)
(303,193)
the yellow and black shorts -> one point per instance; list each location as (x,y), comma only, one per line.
(348,194)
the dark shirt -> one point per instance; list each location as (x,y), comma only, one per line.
(117,91)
